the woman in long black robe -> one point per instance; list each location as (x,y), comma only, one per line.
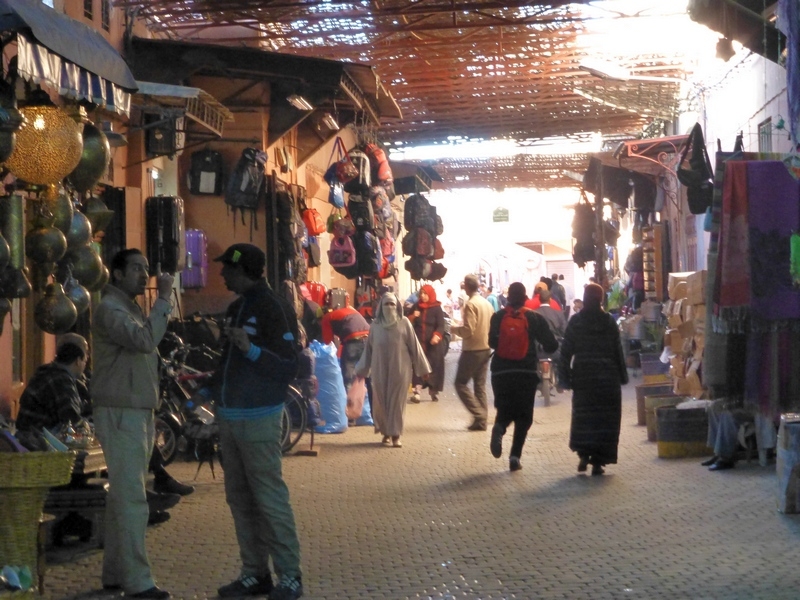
(593,366)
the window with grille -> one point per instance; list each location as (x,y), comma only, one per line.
(105,14)
(765,136)
(88,9)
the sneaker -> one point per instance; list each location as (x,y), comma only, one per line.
(414,398)
(288,588)
(170,485)
(513,463)
(496,444)
(247,585)
(158,517)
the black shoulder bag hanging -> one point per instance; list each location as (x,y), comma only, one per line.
(699,177)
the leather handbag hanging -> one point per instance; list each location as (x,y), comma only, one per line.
(699,176)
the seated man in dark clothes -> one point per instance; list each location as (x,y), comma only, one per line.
(58,394)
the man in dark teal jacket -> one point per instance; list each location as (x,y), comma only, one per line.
(249,388)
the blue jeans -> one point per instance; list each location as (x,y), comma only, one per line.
(258,496)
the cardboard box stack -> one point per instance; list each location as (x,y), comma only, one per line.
(685,334)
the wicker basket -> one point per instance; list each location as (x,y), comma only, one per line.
(25,479)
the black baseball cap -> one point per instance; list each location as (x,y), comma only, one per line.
(250,257)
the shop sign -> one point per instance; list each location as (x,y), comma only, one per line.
(500,215)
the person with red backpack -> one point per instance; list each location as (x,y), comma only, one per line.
(514,333)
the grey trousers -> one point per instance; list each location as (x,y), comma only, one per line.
(258,496)
(126,436)
(474,365)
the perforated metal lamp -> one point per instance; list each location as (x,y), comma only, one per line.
(48,146)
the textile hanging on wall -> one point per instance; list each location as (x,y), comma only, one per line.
(789,24)
(774,213)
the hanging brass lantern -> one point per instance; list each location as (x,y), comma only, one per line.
(62,209)
(48,145)
(94,159)
(98,213)
(45,244)
(100,283)
(80,231)
(5,308)
(55,312)
(78,294)
(5,253)
(14,283)
(86,265)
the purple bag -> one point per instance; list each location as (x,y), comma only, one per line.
(195,274)
(342,252)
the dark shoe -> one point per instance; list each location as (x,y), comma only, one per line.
(722,464)
(288,588)
(513,464)
(710,461)
(154,593)
(584,462)
(160,502)
(496,444)
(476,426)
(112,587)
(597,470)
(247,585)
(156,518)
(434,397)
(170,485)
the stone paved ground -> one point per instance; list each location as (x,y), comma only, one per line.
(440,518)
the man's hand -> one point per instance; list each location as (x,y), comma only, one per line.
(238,338)
(435,340)
(164,283)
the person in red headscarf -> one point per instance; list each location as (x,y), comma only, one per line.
(592,364)
(427,317)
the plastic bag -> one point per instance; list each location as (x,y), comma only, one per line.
(331,394)
(355,398)
(366,413)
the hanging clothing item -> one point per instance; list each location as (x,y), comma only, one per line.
(774,213)
(733,266)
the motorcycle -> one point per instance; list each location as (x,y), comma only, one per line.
(179,427)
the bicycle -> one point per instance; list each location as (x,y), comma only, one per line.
(295,416)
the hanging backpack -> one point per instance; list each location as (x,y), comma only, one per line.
(342,252)
(313,251)
(512,344)
(247,183)
(205,173)
(360,209)
(424,245)
(360,183)
(381,171)
(417,212)
(368,253)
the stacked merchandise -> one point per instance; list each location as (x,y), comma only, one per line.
(421,242)
(685,335)
(364,231)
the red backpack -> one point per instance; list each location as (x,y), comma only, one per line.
(513,341)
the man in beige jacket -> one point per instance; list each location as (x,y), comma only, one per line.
(124,388)
(475,353)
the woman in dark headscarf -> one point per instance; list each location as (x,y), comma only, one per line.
(593,366)
(427,317)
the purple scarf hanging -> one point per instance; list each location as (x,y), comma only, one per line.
(773,214)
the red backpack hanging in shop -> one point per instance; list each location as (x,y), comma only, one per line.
(512,344)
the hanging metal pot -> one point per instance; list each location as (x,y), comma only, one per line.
(94,159)
(14,283)
(45,244)
(5,253)
(86,265)
(55,312)
(5,308)
(80,231)
(101,282)
(78,294)
(98,213)
(62,208)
